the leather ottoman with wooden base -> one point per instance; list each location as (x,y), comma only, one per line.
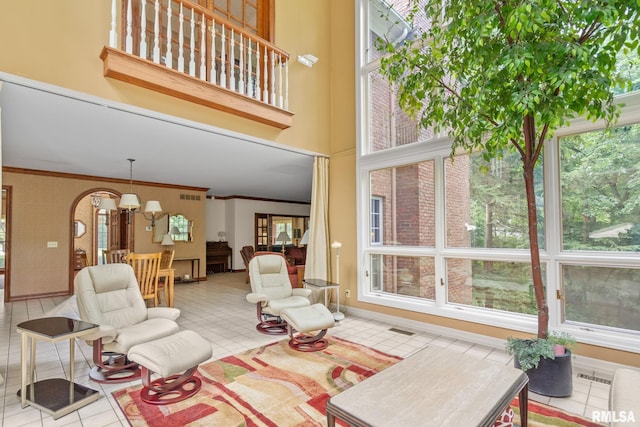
(306,319)
(175,359)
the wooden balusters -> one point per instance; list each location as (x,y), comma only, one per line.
(218,52)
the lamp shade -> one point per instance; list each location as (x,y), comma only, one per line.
(336,245)
(174,230)
(167,240)
(108,204)
(129,201)
(152,206)
(305,238)
(283,237)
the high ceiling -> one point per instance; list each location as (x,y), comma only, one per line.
(53,129)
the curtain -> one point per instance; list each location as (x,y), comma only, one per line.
(317,264)
(0,147)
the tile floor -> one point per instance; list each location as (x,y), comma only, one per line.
(217,310)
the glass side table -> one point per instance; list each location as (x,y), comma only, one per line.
(325,285)
(55,396)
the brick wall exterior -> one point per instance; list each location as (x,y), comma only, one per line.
(408,196)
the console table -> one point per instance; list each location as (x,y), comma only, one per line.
(434,387)
(56,396)
(195,276)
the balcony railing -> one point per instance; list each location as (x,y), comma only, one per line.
(181,49)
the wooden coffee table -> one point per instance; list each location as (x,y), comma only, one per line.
(434,387)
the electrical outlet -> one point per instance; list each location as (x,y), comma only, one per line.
(347,293)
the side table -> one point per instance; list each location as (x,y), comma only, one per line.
(324,285)
(55,396)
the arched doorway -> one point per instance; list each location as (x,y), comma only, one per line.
(94,229)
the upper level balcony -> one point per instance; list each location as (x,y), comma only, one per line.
(181,49)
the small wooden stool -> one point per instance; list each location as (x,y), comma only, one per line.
(181,352)
(306,319)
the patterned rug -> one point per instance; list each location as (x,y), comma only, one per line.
(277,386)
(540,415)
(268,386)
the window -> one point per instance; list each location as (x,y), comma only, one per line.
(494,285)
(102,233)
(488,209)
(409,200)
(403,275)
(252,15)
(600,192)
(602,296)
(449,237)
(601,213)
(376,220)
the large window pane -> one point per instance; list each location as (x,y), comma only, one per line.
(601,190)
(486,203)
(505,286)
(403,275)
(389,126)
(602,296)
(408,205)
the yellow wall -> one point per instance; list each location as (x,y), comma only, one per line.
(41,213)
(59,42)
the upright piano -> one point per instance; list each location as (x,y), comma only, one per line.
(219,254)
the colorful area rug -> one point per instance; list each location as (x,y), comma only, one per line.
(268,386)
(546,416)
(277,386)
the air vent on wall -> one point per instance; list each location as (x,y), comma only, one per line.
(189,197)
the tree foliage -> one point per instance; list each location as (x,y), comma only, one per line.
(500,75)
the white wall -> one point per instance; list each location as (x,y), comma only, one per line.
(236,217)
(215,219)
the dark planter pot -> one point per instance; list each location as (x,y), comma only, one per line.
(552,377)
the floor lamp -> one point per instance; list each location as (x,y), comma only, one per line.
(337,315)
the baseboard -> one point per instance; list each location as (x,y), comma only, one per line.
(591,366)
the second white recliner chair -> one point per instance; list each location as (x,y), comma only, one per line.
(272,292)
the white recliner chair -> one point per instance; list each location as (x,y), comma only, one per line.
(271,291)
(108,295)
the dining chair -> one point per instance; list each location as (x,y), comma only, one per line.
(115,255)
(247,253)
(166,276)
(82,260)
(146,268)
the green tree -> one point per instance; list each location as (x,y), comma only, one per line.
(501,75)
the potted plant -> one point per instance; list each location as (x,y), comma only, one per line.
(504,76)
(547,362)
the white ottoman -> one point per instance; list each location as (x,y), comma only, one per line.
(306,319)
(175,358)
(623,398)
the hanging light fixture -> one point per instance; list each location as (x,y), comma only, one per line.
(131,201)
